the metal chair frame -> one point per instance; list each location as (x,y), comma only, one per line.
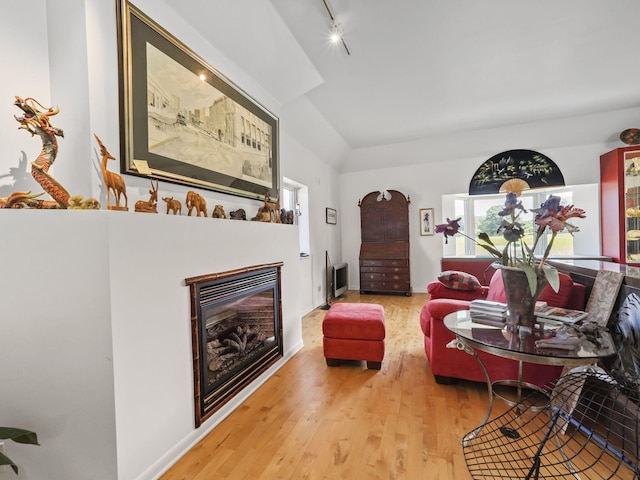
(589,430)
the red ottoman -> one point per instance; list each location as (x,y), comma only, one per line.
(354,331)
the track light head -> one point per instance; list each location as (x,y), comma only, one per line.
(336,33)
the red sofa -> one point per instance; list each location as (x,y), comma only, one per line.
(450,363)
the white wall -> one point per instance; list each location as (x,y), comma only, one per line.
(56,360)
(302,166)
(425,185)
(96,349)
(153,367)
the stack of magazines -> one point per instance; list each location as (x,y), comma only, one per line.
(559,314)
(488,308)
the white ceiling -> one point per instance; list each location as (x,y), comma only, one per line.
(438,70)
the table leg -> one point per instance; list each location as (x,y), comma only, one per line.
(460,345)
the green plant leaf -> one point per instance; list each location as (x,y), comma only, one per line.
(4,460)
(505,255)
(532,277)
(18,435)
(551,274)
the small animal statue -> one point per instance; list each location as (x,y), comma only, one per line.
(151,205)
(274,208)
(112,181)
(239,214)
(173,205)
(218,212)
(265,214)
(26,200)
(286,216)
(77,203)
(197,201)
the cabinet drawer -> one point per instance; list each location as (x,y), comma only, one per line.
(397,286)
(367,285)
(395,269)
(384,276)
(402,286)
(370,263)
(397,277)
(370,269)
(372,277)
(382,269)
(396,262)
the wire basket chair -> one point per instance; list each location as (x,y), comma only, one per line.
(589,430)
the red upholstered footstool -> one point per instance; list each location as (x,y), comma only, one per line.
(354,331)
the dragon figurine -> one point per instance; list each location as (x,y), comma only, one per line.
(37,121)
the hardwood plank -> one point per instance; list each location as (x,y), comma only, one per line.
(311,421)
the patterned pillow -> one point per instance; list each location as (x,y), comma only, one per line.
(459,280)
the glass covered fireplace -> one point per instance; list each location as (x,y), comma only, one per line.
(236,331)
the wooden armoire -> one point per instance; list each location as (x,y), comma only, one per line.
(384,251)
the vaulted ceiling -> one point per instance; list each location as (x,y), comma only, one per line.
(566,72)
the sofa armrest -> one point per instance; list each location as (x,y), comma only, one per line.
(443,307)
(436,289)
(435,310)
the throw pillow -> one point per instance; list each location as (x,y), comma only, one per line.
(459,280)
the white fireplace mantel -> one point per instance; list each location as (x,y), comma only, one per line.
(95,343)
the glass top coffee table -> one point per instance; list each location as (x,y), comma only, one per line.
(523,346)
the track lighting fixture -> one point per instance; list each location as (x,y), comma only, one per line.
(336,29)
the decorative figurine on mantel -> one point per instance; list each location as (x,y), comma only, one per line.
(151,205)
(239,214)
(112,181)
(263,215)
(218,212)
(173,205)
(197,201)
(77,203)
(286,216)
(270,211)
(275,207)
(37,122)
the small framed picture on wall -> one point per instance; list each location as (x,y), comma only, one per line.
(332,216)
(426,221)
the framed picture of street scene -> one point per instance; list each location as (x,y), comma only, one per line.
(182,121)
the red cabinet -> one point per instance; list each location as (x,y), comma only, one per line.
(384,251)
(620,204)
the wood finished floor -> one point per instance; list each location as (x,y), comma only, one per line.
(310,421)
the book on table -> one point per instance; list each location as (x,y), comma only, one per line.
(488,307)
(560,314)
(489,319)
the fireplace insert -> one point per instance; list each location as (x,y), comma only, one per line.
(236,329)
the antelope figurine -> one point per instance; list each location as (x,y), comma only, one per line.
(151,205)
(112,181)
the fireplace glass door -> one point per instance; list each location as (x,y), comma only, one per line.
(239,334)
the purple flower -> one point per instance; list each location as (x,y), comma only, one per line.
(551,215)
(550,206)
(511,232)
(511,203)
(449,229)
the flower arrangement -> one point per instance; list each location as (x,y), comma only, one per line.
(516,253)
